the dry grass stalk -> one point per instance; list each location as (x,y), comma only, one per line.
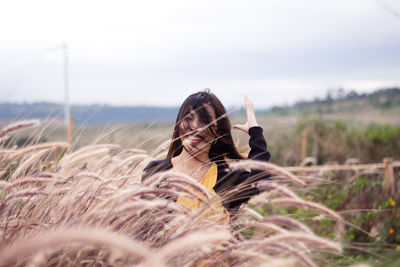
(267,167)
(123,164)
(96,190)
(293,252)
(252,213)
(163,146)
(268,186)
(191,242)
(32,159)
(307,204)
(170,178)
(292,237)
(25,181)
(261,226)
(3,184)
(14,154)
(283,220)
(84,150)
(67,162)
(61,237)
(133,150)
(17,126)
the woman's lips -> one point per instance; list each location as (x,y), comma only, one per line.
(195,139)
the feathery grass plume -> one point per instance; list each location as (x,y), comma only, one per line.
(268,186)
(98,165)
(292,237)
(93,147)
(125,180)
(25,181)
(17,126)
(274,261)
(24,165)
(267,167)
(163,146)
(184,191)
(39,259)
(252,213)
(139,164)
(86,149)
(106,197)
(133,150)
(115,201)
(307,204)
(3,184)
(188,181)
(154,203)
(260,225)
(45,174)
(285,249)
(139,206)
(121,164)
(191,242)
(137,170)
(252,255)
(63,236)
(14,154)
(90,174)
(21,194)
(284,220)
(79,159)
(170,178)
(110,201)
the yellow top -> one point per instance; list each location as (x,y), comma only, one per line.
(209,180)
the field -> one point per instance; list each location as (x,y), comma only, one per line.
(83,204)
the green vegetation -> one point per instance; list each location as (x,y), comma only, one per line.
(371,231)
(337,141)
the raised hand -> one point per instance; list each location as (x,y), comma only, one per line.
(251,117)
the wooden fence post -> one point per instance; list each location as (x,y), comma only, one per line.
(57,155)
(303,146)
(388,182)
(70,132)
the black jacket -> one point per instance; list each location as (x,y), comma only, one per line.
(228,179)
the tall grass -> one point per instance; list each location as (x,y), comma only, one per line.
(89,208)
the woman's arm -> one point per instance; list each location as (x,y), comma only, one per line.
(258,151)
(257,143)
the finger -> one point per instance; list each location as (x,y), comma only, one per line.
(251,116)
(241,127)
(249,104)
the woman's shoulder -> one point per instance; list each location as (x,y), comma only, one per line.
(156,166)
(159,165)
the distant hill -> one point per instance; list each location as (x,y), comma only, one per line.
(339,101)
(336,101)
(89,114)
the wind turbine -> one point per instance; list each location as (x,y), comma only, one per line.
(66,84)
(64,47)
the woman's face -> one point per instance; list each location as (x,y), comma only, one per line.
(195,133)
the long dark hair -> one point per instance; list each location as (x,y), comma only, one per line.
(223,146)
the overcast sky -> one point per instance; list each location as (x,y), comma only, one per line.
(158,52)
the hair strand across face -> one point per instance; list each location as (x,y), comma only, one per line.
(222,146)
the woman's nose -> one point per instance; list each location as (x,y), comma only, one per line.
(195,124)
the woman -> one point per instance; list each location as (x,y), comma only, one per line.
(201,145)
